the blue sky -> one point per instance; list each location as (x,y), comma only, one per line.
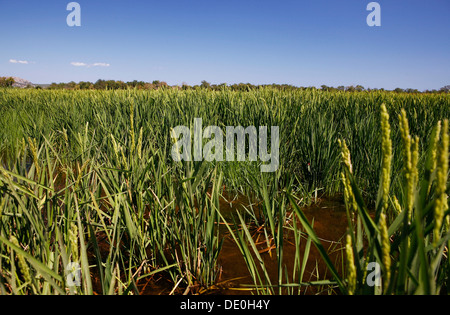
(302,42)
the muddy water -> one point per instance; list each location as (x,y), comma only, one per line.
(330,223)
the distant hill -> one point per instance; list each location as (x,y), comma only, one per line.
(22,83)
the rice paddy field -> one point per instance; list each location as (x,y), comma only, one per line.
(92,202)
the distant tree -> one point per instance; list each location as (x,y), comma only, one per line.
(71,85)
(148,86)
(120,85)
(111,85)
(132,84)
(136,84)
(243,87)
(205,84)
(57,86)
(6,82)
(100,85)
(412,91)
(399,90)
(85,85)
(222,86)
(9,82)
(445,89)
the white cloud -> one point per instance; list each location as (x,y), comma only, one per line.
(101,64)
(78,64)
(24,62)
(97,64)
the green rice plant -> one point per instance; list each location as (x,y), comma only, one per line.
(194,222)
(50,225)
(311,122)
(86,177)
(411,248)
(274,227)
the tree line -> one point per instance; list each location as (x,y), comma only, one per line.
(108,85)
(156,84)
(141,85)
